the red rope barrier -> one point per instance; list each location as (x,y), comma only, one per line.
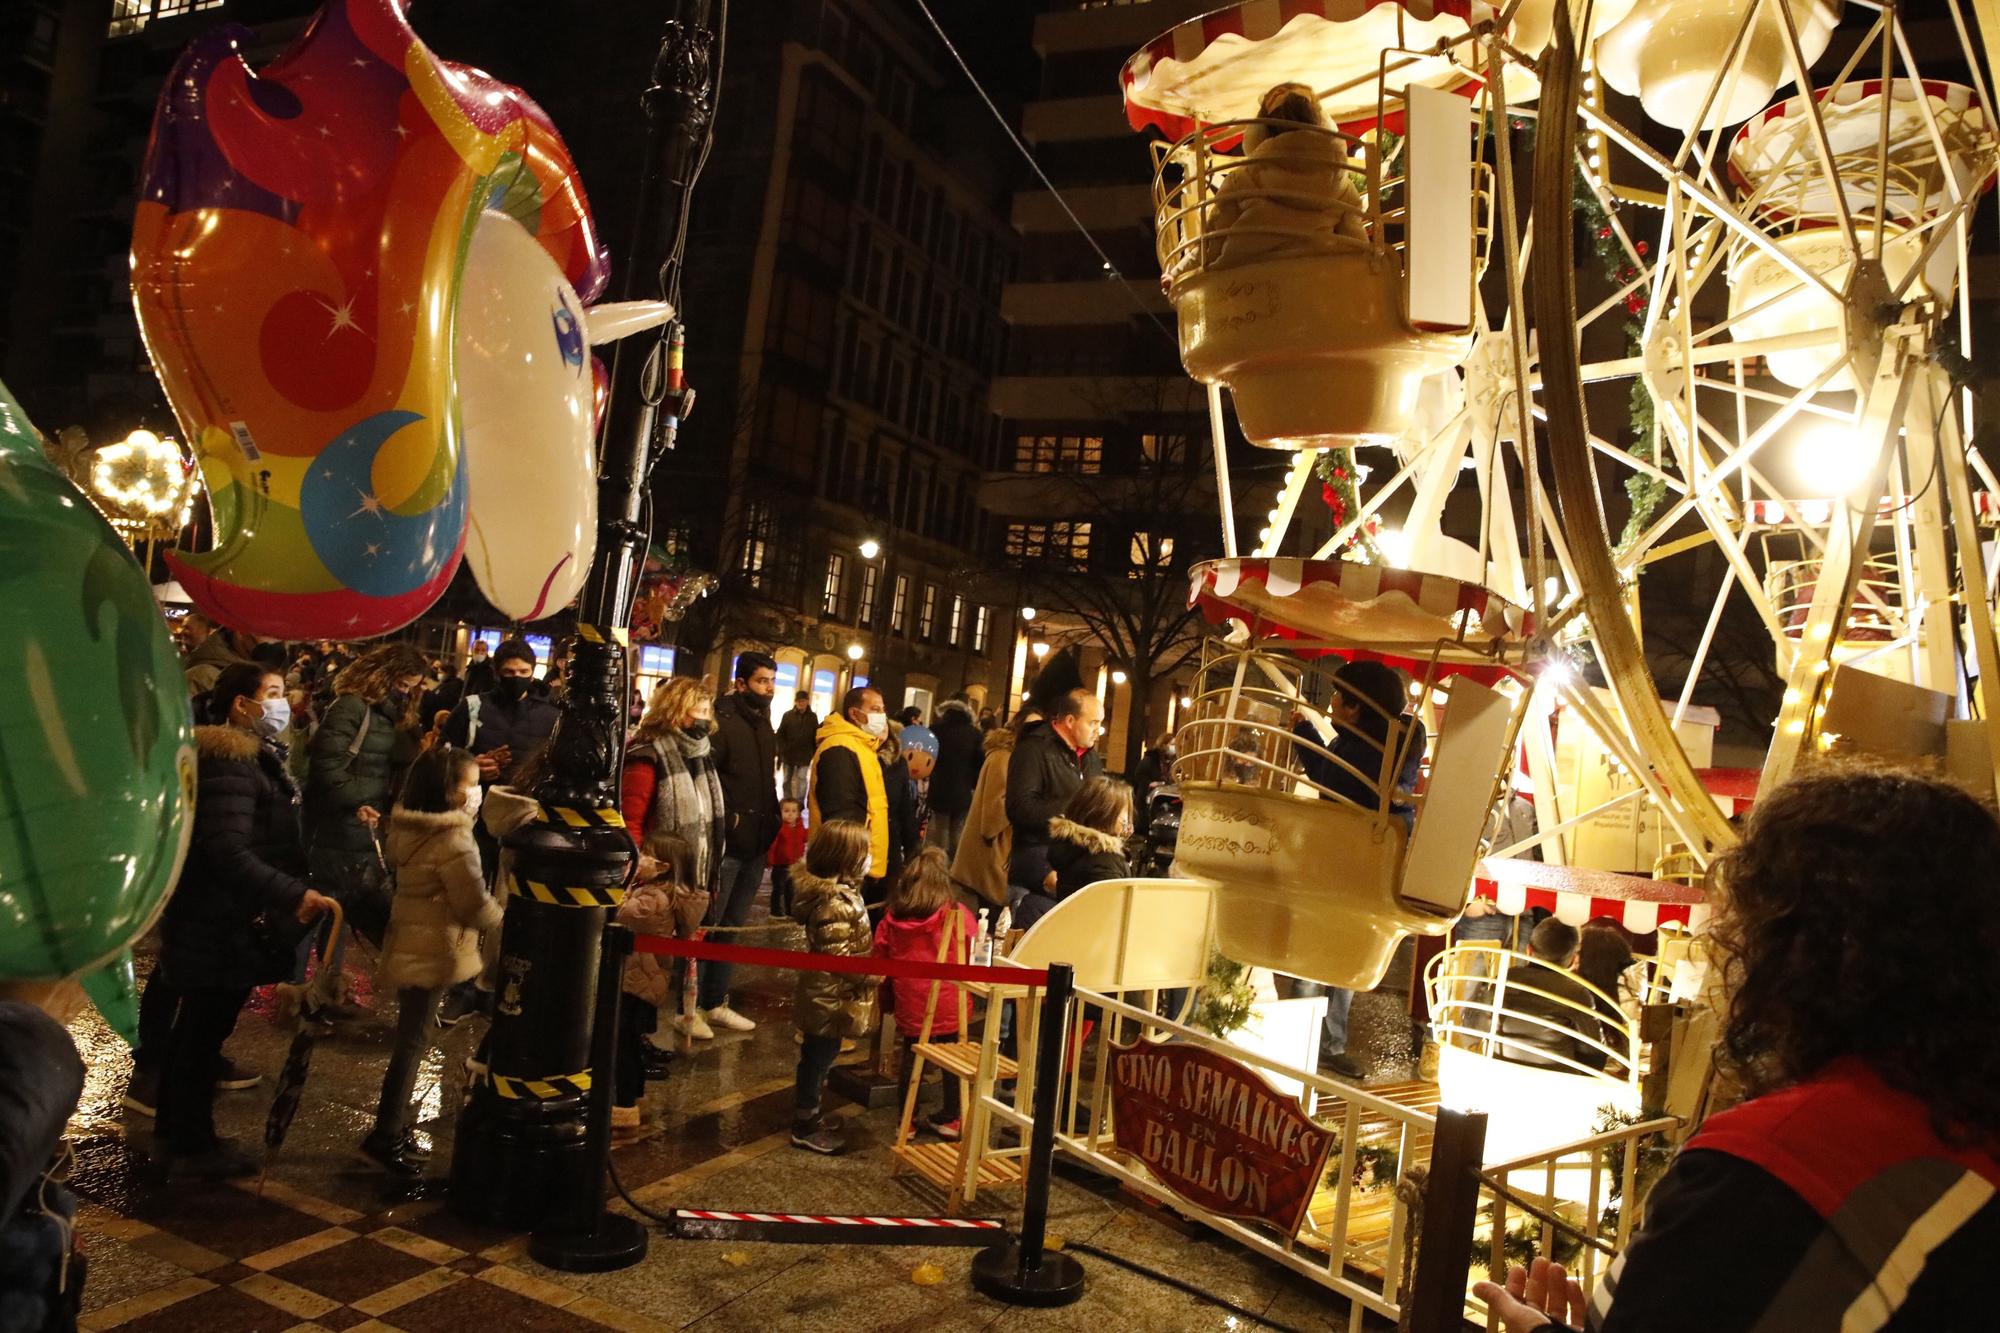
(806,961)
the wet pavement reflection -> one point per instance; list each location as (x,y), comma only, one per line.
(331,1242)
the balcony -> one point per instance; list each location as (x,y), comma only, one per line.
(1108,206)
(1094,301)
(1066,119)
(1037,495)
(1113,25)
(1091,397)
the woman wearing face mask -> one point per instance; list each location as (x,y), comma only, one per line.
(227,927)
(364,743)
(670,786)
(441,908)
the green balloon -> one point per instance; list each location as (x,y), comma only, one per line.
(114,989)
(97,763)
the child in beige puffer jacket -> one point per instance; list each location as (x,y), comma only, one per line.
(440,909)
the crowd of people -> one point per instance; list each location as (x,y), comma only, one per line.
(1856,1181)
(364,794)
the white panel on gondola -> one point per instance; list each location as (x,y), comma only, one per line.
(1439,169)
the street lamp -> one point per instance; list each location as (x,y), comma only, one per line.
(854,651)
(1027,613)
(1118,675)
(870,548)
(1040,648)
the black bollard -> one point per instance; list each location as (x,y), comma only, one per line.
(583,1237)
(1021,1272)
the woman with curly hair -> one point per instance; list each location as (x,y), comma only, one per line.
(1855,1185)
(365,742)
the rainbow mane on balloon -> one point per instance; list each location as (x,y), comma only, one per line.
(298,258)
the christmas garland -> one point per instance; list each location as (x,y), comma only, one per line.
(1642,489)
(1341,493)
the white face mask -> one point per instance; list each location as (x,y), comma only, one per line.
(276,717)
(875,724)
(471,799)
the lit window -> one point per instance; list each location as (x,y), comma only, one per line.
(957,624)
(1058,453)
(1148,549)
(1156,450)
(756,543)
(864,614)
(1061,541)
(981,622)
(836,578)
(899,603)
(927,615)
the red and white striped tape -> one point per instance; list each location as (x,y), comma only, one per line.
(808,1219)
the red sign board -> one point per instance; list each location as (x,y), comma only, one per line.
(1215,1133)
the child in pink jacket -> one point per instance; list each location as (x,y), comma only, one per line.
(920,908)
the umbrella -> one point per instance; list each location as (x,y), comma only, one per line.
(314,1023)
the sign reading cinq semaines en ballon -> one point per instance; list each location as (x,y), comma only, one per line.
(1215,1133)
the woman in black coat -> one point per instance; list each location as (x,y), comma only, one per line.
(230,923)
(366,740)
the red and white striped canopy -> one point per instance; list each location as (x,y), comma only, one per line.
(1576,895)
(1215,67)
(1379,610)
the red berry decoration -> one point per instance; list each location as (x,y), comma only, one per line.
(1604,233)
(1640,247)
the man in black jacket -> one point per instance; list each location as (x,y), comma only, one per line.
(746,759)
(798,737)
(956,774)
(504,725)
(1051,760)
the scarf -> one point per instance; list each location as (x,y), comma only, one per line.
(688,798)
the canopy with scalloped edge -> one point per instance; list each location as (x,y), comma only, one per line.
(1215,67)
(1576,895)
(1360,610)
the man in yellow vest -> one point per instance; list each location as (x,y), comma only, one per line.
(846,781)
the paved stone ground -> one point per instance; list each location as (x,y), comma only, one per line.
(330,1244)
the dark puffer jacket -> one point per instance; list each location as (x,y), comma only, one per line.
(246,859)
(958,758)
(746,757)
(337,785)
(523,727)
(1043,774)
(833,1004)
(1080,856)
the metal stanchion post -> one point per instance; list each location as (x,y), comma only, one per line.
(1021,1272)
(1451,1207)
(583,1237)
(521,1135)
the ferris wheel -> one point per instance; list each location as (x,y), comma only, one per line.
(1750,354)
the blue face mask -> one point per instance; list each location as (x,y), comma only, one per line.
(276,717)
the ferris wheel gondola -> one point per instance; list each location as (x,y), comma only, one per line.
(1815,251)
